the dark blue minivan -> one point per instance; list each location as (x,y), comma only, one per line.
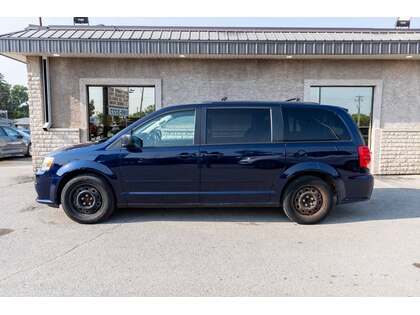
(301,157)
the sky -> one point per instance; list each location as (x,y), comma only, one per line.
(15,72)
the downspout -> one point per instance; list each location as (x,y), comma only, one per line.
(47,95)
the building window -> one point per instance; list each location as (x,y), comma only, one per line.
(112,108)
(238,126)
(357,99)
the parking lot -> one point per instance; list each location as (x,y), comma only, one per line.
(365,249)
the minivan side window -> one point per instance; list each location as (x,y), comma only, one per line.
(307,124)
(240,125)
(168,130)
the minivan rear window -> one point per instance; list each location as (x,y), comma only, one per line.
(306,124)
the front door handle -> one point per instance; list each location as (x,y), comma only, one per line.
(212,155)
(185,156)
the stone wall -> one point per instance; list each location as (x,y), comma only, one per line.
(43,142)
(400,152)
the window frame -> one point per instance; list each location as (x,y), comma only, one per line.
(203,137)
(349,130)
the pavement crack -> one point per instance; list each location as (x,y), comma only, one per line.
(62,254)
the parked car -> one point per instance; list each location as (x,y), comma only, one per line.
(300,157)
(14,142)
(26,130)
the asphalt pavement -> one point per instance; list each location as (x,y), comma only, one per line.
(364,249)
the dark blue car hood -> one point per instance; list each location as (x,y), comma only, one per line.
(76,147)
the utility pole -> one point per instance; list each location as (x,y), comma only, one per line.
(40,21)
(358,99)
(141,101)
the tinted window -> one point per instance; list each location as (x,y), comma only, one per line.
(304,124)
(238,126)
(168,130)
(2,132)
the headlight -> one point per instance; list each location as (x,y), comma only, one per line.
(46,164)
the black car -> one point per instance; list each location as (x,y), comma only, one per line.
(300,157)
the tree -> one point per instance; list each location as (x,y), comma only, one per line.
(4,93)
(14,99)
(91,107)
(364,119)
(150,109)
(19,101)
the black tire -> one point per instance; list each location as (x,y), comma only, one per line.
(88,199)
(29,151)
(307,200)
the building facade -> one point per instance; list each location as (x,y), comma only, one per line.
(85,79)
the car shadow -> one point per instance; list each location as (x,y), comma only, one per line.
(16,158)
(386,204)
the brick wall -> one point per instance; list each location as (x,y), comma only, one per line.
(43,142)
(400,152)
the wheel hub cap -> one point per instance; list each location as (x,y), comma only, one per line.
(308,201)
(87,199)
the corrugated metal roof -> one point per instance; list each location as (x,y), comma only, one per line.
(165,33)
(196,41)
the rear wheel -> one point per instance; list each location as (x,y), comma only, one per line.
(307,200)
(88,199)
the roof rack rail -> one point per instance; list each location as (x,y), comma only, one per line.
(296,99)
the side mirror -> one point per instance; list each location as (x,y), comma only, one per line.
(130,142)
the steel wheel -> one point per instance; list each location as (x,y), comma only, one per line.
(308,200)
(86,199)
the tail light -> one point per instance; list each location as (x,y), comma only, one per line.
(364,156)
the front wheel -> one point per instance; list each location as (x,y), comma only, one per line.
(88,199)
(307,200)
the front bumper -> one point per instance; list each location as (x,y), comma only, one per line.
(46,189)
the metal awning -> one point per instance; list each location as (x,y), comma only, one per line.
(158,42)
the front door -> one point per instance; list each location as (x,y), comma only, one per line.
(239,162)
(165,170)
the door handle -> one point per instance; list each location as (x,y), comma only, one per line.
(300,154)
(212,155)
(185,156)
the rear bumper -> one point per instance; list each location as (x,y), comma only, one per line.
(358,188)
